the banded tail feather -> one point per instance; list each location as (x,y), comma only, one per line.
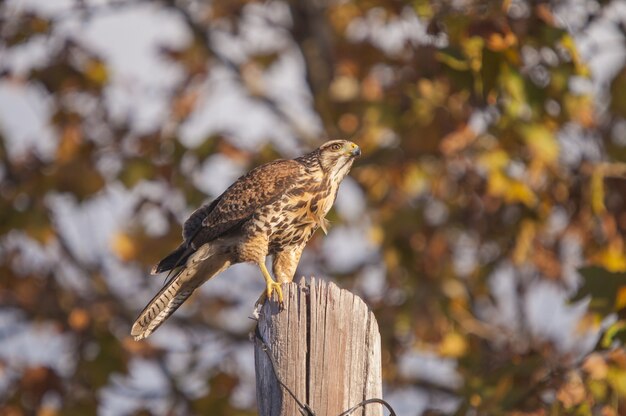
(162,306)
(198,267)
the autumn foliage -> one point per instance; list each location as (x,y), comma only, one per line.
(490,196)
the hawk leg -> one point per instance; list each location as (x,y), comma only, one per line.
(286,262)
(272,287)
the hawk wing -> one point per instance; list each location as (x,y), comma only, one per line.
(194,222)
(259,187)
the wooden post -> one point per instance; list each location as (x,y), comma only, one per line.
(326,347)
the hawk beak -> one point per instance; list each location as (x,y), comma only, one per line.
(355,151)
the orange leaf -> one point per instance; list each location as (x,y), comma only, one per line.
(79,319)
(457,140)
(596,367)
(71,138)
(573,392)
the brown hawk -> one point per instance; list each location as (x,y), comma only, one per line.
(272,210)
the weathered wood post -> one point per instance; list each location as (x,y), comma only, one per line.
(326,347)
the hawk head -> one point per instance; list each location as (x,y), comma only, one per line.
(336,158)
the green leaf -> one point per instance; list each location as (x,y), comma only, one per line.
(135,170)
(603,287)
(618,98)
(616,332)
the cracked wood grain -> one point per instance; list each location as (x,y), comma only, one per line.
(327,349)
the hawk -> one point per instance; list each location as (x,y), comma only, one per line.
(272,210)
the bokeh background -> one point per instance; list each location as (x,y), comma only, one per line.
(484,224)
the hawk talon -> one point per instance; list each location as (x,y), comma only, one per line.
(272,287)
(276,287)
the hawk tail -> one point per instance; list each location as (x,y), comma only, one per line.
(173,260)
(162,306)
(198,268)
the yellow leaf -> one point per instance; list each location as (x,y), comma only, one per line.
(617,380)
(524,242)
(518,191)
(597,191)
(96,71)
(612,257)
(415,181)
(392,259)
(453,62)
(512,190)
(497,184)
(494,160)
(376,234)
(620,299)
(124,247)
(473,48)
(453,345)
(568,42)
(541,143)
(513,85)
(435,93)
(498,42)
(424,9)
(611,332)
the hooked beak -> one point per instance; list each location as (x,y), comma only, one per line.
(355,151)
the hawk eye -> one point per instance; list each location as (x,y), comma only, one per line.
(335,146)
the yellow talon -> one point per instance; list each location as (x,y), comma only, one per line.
(272,287)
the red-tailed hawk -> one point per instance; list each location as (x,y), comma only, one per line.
(272,210)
